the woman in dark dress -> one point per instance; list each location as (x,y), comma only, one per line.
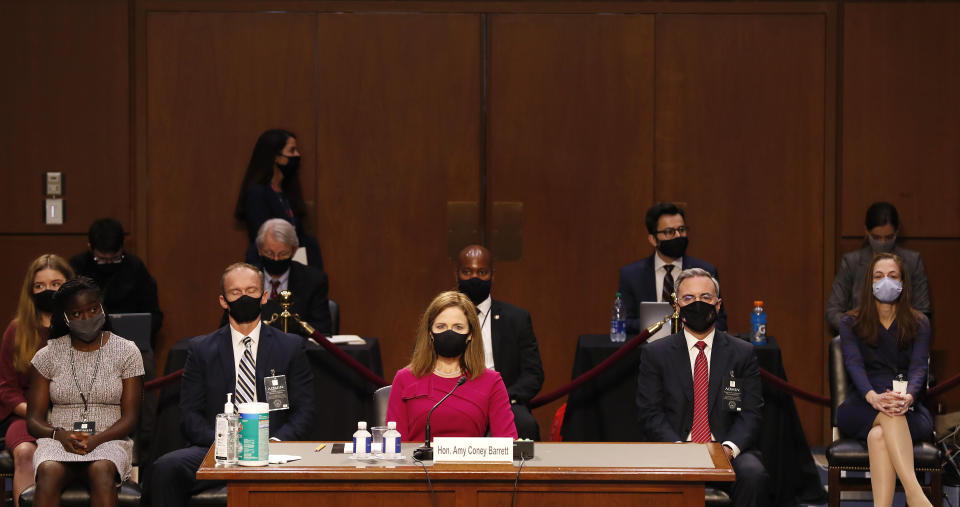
(881,339)
(271,189)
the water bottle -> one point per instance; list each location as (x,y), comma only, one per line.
(227,434)
(758,324)
(618,322)
(361,441)
(391,442)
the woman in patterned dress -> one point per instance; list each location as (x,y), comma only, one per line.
(92,380)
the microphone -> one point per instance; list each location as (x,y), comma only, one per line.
(425,451)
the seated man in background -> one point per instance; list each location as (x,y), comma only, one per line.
(277,242)
(509,345)
(233,359)
(703,385)
(881,226)
(652,278)
(123,278)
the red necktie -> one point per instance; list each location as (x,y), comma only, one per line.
(701,382)
(667,293)
(273,293)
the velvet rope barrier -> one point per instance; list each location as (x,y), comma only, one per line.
(159,382)
(793,390)
(592,372)
(355,365)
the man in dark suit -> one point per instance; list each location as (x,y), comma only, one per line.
(216,365)
(277,242)
(703,385)
(652,278)
(509,345)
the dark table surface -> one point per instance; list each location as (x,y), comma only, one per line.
(343,397)
(604,410)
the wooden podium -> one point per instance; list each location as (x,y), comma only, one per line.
(575,474)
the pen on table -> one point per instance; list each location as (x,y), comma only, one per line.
(319,447)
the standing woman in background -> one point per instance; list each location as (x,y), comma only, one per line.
(26,334)
(883,337)
(271,189)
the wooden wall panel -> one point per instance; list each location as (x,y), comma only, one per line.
(570,136)
(398,133)
(740,139)
(64,100)
(214,82)
(901,115)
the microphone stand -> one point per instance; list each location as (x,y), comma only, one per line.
(425,451)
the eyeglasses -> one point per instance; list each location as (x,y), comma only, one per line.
(115,259)
(672,232)
(706,297)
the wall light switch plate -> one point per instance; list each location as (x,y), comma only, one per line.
(53,212)
(54,183)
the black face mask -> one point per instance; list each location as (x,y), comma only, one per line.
(293,165)
(674,248)
(698,316)
(44,300)
(275,267)
(476,289)
(450,343)
(108,269)
(244,309)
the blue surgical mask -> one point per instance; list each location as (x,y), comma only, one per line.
(887,290)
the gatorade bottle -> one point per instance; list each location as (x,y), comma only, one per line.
(758,321)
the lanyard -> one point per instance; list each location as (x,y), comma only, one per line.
(76,381)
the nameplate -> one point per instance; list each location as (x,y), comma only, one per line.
(472,450)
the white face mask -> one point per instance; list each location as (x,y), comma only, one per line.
(887,290)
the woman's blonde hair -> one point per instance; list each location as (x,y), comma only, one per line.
(27,336)
(425,356)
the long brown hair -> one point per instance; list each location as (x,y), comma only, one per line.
(867,320)
(27,336)
(424,355)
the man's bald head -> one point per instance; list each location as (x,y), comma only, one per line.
(474,261)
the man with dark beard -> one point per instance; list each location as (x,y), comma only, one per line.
(233,359)
(652,278)
(509,345)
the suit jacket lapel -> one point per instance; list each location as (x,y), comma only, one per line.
(225,354)
(719,361)
(496,332)
(263,358)
(682,363)
(648,281)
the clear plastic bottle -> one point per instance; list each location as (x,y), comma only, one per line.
(361,441)
(227,434)
(391,442)
(758,324)
(618,321)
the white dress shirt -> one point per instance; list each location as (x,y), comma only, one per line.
(660,272)
(483,314)
(238,348)
(707,351)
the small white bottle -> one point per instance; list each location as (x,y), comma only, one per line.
(391,442)
(227,434)
(361,441)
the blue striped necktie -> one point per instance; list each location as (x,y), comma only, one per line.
(246,375)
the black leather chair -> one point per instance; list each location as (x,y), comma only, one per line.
(334,316)
(78,495)
(6,472)
(850,455)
